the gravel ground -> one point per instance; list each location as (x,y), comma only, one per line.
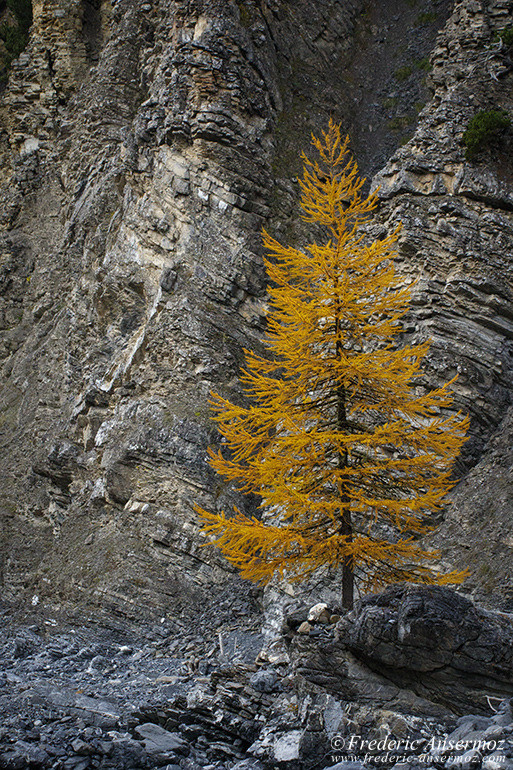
(84,696)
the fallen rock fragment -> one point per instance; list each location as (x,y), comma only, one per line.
(156,740)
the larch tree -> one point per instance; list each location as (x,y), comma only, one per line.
(348,451)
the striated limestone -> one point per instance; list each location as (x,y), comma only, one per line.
(131,282)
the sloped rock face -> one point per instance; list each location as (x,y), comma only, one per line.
(478,530)
(456,215)
(143,148)
(121,277)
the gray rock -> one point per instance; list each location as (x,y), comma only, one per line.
(24,646)
(435,642)
(156,740)
(504,715)
(469,760)
(81,747)
(76,763)
(99,662)
(24,755)
(286,747)
(469,726)
(294,617)
(264,680)
(497,762)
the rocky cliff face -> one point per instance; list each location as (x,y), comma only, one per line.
(457,231)
(143,147)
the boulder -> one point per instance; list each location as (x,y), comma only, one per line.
(434,642)
(319,613)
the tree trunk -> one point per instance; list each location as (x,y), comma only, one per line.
(346,526)
(347,584)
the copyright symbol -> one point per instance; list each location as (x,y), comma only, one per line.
(337,742)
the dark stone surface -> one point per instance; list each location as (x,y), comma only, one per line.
(435,642)
(159,695)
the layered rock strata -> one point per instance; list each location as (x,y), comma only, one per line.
(143,148)
(457,235)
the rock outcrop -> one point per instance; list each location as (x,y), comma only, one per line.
(435,642)
(457,224)
(423,650)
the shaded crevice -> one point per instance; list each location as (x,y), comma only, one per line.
(92,28)
(502,205)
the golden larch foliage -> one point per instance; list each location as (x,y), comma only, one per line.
(348,452)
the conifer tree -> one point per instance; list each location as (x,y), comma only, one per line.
(349,453)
